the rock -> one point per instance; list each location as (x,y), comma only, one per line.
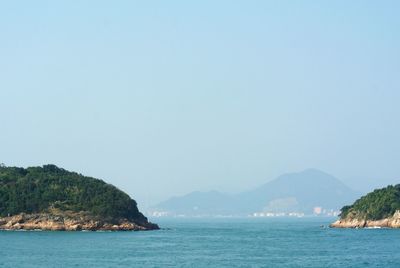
(391,222)
(68,221)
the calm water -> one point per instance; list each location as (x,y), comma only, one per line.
(207,243)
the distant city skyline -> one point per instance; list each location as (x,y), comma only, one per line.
(165,98)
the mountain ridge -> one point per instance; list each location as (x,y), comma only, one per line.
(290,192)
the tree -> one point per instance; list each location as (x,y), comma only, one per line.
(38,189)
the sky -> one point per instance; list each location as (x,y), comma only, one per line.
(161,98)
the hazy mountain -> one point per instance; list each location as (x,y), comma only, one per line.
(293,192)
(200,203)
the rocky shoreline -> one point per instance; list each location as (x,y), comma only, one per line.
(354,222)
(71,221)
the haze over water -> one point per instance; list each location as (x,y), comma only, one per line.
(163,98)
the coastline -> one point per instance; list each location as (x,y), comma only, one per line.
(70,222)
(390,222)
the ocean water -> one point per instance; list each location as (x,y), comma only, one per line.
(276,242)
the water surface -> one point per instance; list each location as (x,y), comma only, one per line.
(208,243)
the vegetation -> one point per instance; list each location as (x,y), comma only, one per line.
(38,189)
(379,204)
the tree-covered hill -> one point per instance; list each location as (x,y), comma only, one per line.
(39,189)
(379,204)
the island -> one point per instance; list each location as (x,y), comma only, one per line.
(378,209)
(52,198)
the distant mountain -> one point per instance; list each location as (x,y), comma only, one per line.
(200,203)
(301,192)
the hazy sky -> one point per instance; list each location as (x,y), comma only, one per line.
(162,98)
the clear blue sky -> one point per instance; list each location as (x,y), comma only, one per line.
(164,97)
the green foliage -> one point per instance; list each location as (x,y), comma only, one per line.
(379,204)
(36,189)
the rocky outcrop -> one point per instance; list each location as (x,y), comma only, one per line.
(69,221)
(359,222)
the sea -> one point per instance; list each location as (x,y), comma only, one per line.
(222,242)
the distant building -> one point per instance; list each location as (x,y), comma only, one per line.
(317,210)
